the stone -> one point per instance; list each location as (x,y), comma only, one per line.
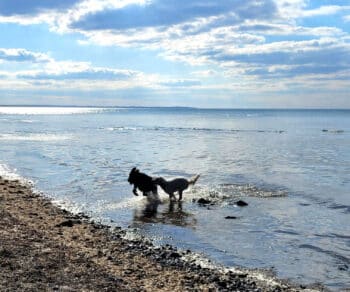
(203,201)
(231,217)
(241,203)
(68,223)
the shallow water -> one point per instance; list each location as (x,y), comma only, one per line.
(291,167)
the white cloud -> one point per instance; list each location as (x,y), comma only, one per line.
(324,10)
(205,73)
(45,73)
(199,41)
(165,13)
(247,42)
(181,83)
(23,55)
(290,9)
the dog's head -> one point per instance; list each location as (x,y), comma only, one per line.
(132,175)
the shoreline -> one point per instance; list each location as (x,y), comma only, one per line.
(45,247)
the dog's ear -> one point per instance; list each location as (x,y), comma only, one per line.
(136,170)
(133,170)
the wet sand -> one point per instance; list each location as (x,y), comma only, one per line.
(46,248)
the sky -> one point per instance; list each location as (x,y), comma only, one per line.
(216,54)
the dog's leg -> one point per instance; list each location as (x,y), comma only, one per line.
(135,191)
(156,196)
(144,194)
(153,197)
(172,197)
(180,195)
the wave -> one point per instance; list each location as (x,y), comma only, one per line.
(34,137)
(27,121)
(217,195)
(333,131)
(127,129)
(344,208)
(124,204)
(16,110)
(11,174)
(330,253)
(229,193)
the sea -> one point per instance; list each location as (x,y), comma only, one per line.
(292,168)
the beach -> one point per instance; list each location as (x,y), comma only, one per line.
(46,248)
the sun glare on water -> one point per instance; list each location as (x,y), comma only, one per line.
(47,110)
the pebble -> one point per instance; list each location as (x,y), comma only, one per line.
(68,223)
(203,201)
(241,203)
(231,217)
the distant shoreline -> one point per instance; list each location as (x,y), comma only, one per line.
(173,107)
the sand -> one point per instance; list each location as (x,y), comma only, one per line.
(46,248)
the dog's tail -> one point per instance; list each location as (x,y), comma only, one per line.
(193,179)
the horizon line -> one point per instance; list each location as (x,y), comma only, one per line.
(173,107)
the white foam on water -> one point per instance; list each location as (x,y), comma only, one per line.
(229,192)
(127,203)
(27,121)
(134,201)
(266,278)
(48,110)
(257,275)
(11,174)
(123,128)
(201,260)
(34,137)
(67,204)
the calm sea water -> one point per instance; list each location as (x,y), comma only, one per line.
(291,166)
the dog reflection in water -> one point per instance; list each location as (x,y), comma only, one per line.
(151,206)
(170,212)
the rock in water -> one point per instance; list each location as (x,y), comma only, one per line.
(241,203)
(203,201)
(231,217)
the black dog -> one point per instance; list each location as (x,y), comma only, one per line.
(141,181)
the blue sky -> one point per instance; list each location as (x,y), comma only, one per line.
(237,54)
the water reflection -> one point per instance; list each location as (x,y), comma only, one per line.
(168,212)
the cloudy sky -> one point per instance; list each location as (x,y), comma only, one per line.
(229,53)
